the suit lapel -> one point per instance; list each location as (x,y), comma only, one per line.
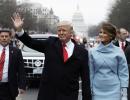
(59,49)
(76,53)
(10,55)
(127,43)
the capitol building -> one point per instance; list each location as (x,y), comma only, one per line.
(79,25)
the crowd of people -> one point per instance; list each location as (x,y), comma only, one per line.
(103,69)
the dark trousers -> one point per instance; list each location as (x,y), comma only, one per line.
(5,93)
(128,93)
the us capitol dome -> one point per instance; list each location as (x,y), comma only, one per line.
(79,25)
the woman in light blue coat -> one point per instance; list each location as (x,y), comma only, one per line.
(108,67)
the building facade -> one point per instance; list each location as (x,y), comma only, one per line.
(43,14)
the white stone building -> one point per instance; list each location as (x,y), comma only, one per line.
(79,25)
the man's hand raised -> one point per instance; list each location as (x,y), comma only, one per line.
(17,21)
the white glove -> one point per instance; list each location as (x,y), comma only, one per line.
(124,98)
(124,94)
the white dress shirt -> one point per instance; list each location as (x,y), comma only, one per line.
(6,63)
(70,48)
(120,43)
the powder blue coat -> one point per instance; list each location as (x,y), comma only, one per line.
(108,72)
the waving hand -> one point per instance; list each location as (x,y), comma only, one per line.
(17,21)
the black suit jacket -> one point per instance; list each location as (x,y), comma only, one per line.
(60,81)
(16,74)
(127,54)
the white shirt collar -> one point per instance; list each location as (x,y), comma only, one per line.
(120,42)
(70,48)
(1,47)
(69,44)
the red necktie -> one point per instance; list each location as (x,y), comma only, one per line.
(122,46)
(65,54)
(2,60)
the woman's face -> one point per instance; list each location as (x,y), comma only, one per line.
(105,37)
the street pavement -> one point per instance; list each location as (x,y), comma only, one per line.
(31,94)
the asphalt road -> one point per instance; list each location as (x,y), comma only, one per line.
(31,94)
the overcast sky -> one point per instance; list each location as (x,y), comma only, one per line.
(93,11)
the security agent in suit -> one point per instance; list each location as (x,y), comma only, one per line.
(121,36)
(60,80)
(13,79)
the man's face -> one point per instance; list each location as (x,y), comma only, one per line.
(64,33)
(5,38)
(123,34)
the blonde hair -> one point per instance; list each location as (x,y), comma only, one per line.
(67,24)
